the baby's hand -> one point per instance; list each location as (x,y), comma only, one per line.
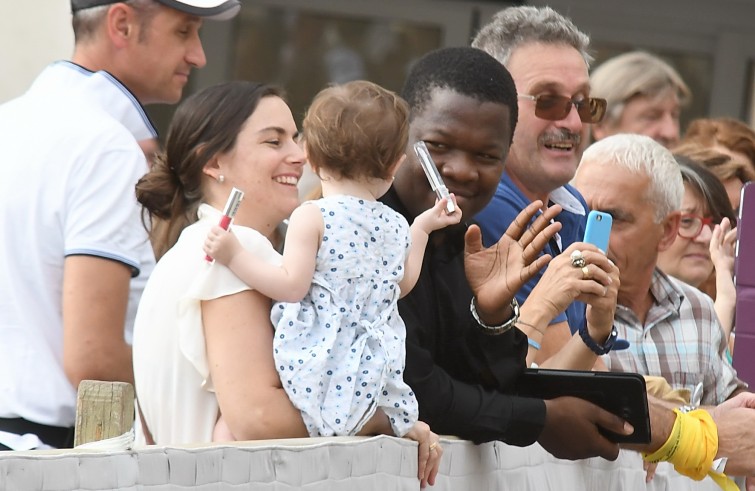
(723,247)
(221,245)
(437,217)
(649,470)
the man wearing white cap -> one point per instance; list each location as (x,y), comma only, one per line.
(74,254)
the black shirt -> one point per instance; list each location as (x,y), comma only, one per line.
(459,374)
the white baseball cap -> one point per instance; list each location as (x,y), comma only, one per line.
(209,9)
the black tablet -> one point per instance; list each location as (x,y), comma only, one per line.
(623,394)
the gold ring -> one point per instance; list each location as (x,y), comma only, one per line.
(433,446)
(585,273)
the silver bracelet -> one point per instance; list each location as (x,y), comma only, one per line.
(494,330)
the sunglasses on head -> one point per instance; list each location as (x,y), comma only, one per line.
(557,107)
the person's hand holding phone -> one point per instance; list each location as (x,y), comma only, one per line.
(562,283)
(601,309)
(572,429)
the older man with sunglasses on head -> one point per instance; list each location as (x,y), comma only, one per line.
(548,59)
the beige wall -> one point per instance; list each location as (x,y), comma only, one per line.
(32,34)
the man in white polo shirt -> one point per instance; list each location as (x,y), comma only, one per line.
(75,255)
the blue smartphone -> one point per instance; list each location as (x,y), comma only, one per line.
(597,232)
(598,229)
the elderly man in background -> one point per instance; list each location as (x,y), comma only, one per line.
(645,95)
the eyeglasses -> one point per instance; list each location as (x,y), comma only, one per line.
(557,107)
(691,226)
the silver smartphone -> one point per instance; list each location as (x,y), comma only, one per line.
(433,176)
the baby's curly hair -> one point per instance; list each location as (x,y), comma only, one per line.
(356,130)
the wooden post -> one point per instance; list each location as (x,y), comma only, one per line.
(103,410)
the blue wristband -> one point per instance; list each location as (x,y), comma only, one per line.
(534,344)
(595,347)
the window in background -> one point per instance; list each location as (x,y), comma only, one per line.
(304,51)
(749,118)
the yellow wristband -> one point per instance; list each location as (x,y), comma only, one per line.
(691,448)
(668,449)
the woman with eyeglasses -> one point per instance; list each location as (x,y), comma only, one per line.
(704,246)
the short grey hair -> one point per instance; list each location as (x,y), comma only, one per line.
(635,73)
(641,154)
(516,26)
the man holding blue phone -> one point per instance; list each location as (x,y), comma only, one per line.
(548,59)
(672,327)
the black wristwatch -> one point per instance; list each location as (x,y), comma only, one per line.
(595,347)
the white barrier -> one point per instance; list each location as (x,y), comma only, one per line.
(378,463)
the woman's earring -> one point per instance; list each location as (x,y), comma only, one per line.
(221,178)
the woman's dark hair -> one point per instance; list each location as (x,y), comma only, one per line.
(708,187)
(204,125)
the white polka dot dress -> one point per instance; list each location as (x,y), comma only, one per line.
(340,351)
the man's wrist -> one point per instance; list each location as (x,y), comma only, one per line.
(495,329)
(598,348)
(492,317)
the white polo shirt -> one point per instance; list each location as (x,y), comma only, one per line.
(69,166)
